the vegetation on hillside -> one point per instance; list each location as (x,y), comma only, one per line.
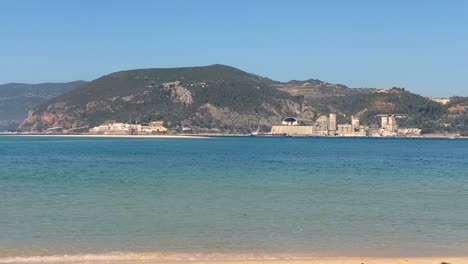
(430,116)
(220,98)
(212,97)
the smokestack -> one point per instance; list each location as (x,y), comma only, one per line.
(332,124)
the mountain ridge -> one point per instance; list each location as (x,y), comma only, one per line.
(224,99)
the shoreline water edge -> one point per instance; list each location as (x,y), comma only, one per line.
(154,258)
(425,136)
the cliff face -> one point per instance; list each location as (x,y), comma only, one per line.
(208,99)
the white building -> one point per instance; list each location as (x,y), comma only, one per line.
(409,131)
(129,129)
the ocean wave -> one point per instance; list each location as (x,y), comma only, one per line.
(115,257)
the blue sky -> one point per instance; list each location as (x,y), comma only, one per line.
(420,45)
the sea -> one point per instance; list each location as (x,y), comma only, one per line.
(83,198)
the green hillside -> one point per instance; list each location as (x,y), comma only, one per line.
(222,99)
(422,112)
(213,97)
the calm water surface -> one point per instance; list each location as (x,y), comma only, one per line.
(316,196)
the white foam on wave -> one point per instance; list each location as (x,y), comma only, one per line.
(115,257)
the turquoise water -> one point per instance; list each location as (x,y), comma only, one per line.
(267,196)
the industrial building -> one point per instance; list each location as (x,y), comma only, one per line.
(152,128)
(352,130)
(388,123)
(326,126)
(322,123)
(289,121)
(408,132)
(332,125)
(390,128)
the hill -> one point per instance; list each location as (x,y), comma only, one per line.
(16,99)
(223,99)
(457,115)
(314,89)
(421,112)
(214,98)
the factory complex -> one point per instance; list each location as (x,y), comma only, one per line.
(327,126)
(153,128)
(324,125)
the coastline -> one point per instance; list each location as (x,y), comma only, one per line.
(158,259)
(344,260)
(105,136)
(425,136)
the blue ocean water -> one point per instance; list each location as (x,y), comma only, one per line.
(292,196)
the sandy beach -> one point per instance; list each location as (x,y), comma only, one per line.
(328,260)
(352,260)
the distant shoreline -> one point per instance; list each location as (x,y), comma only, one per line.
(104,136)
(158,259)
(426,136)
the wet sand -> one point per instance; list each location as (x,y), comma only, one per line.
(319,260)
(353,260)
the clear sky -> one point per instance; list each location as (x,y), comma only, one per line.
(421,45)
